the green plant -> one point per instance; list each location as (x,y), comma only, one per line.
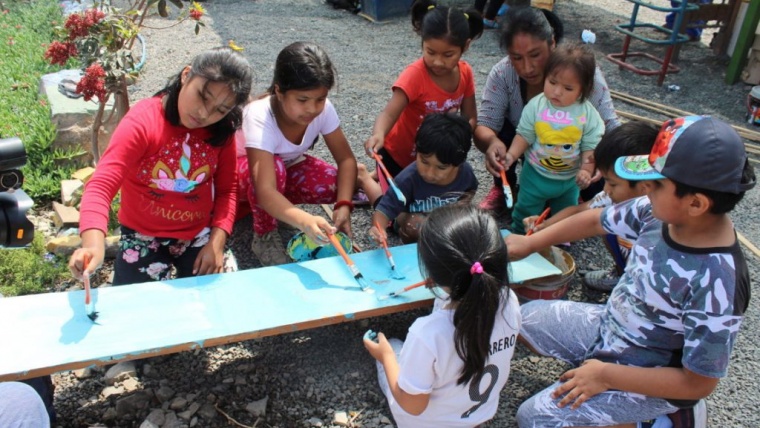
(25,31)
(102,39)
(29,270)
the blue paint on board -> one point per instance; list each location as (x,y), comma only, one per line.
(50,330)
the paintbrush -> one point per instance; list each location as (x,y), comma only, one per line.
(389,177)
(507,190)
(401,291)
(538,221)
(89,306)
(389,256)
(351,265)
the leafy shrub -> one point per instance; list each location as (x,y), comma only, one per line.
(28,271)
(26,28)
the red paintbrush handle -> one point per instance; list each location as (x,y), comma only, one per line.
(86,279)
(382,166)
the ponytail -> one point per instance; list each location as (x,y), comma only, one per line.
(461,248)
(432,21)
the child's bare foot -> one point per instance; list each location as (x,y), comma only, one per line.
(365,182)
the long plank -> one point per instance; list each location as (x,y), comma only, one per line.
(47,333)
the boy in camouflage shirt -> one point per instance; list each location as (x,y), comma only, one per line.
(664,338)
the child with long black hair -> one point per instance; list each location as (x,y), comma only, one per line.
(455,361)
(173,157)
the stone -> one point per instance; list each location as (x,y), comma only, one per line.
(178,403)
(132,404)
(164,394)
(340,418)
(384,420)
(110,414)
(257,408)
(172,421)
(83,174)
(207,412)
(71,192)
(156,417)
(315,422)
(84,373)
(188,414)
(66,245)
(119,372)
(65,217)
(130,384)
(111,390)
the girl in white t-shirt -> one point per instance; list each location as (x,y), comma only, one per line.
(274,170)
(455,361)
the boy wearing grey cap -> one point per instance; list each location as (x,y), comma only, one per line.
(664,338)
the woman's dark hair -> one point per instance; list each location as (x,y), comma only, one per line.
(722,202)
(453,238)
(446,135)
(629,139)
(302,66)
(539,23)
(218,65)
(454,25)
(578,58)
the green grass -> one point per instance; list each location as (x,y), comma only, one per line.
(26,271)
(26,28)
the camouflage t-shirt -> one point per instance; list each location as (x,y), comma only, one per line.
(674,306)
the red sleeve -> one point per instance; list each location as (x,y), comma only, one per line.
(468,79)
(411,80)
(225,188)
(128,145)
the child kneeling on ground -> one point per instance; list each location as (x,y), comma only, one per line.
(665,336)
(454,363)
(629,139)
(440,176)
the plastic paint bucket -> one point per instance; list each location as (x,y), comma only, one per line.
(551,287)
(753,106)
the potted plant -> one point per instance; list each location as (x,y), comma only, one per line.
(102,39)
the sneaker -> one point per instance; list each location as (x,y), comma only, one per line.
(695,417)
(494,201)
(268,248)
(662,421)
(601,280)
(490,24)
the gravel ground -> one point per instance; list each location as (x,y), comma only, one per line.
(307,378)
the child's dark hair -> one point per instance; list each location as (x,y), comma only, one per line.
(722,202)
(446,135)
(452,24)
(629,139)
(218,65)
(453,239)
(302,66)
(578,58)
(539,23)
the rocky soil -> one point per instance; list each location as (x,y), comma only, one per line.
(324,377)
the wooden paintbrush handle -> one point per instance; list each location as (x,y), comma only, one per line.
(340,249)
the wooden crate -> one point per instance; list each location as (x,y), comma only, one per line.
(382,10)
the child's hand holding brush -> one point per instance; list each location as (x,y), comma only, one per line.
(86,260)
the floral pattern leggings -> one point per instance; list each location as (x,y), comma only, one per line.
(309,181)
(143,258)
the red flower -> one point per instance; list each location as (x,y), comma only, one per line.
(59,53)
(79,24)
(93,83)
(196,14)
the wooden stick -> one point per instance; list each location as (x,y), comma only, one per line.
(232,420)
(747,243)
(675,112)
(751,148)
